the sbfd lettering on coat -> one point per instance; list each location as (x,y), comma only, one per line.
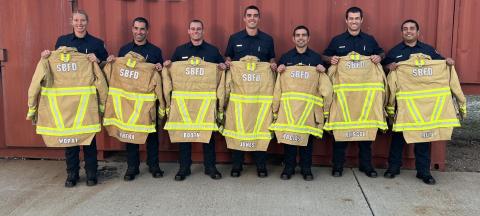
(131,74)
(251,77)
(422,72)
(126,135)
(299,74)
(356,64)
(195,71)
(67,67)
(68,140)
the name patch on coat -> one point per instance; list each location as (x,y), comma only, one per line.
(247,144)
(427,134)
(191,135)
(68,140)
(124,135)
(350,134)
(292,137)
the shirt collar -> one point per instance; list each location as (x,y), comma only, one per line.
(245,34)
(74,37)
(135,45)
(307,52)
(418,44)
(360,34)
(190,44)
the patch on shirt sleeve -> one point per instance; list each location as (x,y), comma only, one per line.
(341,47)
(399,56)
(184,57)
(239,45)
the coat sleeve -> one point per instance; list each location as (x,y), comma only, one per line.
(277,95)
(457,92)
(107,70)
(392,89)
(157,81)
(35,88)
(386,94)
(228,86)
(221,91)
(167,87)
(326,91)
(101,85)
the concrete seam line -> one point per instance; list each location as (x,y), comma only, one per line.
(363,192)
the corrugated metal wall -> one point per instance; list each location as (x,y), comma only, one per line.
(27,27)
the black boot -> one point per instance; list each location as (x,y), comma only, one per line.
(236,171)
(131,173)
(91,177)
(182,174)
(156,171)
(287,173)
(369,171)
(307,174)
(213,173)
(72,178)
(262,171)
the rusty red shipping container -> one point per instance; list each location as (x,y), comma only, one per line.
(28,27)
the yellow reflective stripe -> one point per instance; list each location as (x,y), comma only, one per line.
(68,91)
(247,136)
(57,116)
(261,117)
(117,107)
(203,110)
(136,112)
(435,109)
(417,112)
(303,97)
(343,104)
(129,127)
(250,98)
(288,112)
(131,95)
(183,109)
(305,114)
(31,111)
(367,105)
(211,126)
(194,95)
(359,87)
(68,131)
(238,117)
(440,108)
(423,93)
(355,124)
(444,123)
(297,129)
(413,112)
(81,110)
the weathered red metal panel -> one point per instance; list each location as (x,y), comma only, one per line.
(447,25)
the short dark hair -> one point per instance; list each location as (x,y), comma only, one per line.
(301,27)
(354,10)
(195,21)
(410,21)
(251,7)
(142,20)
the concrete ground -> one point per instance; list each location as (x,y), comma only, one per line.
(35,187)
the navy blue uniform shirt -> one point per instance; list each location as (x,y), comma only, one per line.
(345,43)
(401,52)
(150,52)
(309,57)
(205,51)
(241,44)
(87,44)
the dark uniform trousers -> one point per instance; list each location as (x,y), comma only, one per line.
(290,152)
(133,153)
(238,158)
(364,154)
(422,154)
(185,151)
(72,157)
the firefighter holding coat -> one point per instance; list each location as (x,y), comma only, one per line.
(404,62)
(92,49)
(303,94)
(259,48)
(341,45)
(137,71)
(194,85)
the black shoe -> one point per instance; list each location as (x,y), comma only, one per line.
(236,172)
(287,173)
(391,173)
(156,171)
(213,173)
(182,174)
(262,172)
(427,179)
(370,172)
(337,172)
(72,178)
(307,174)
(92,178)
(131,173)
